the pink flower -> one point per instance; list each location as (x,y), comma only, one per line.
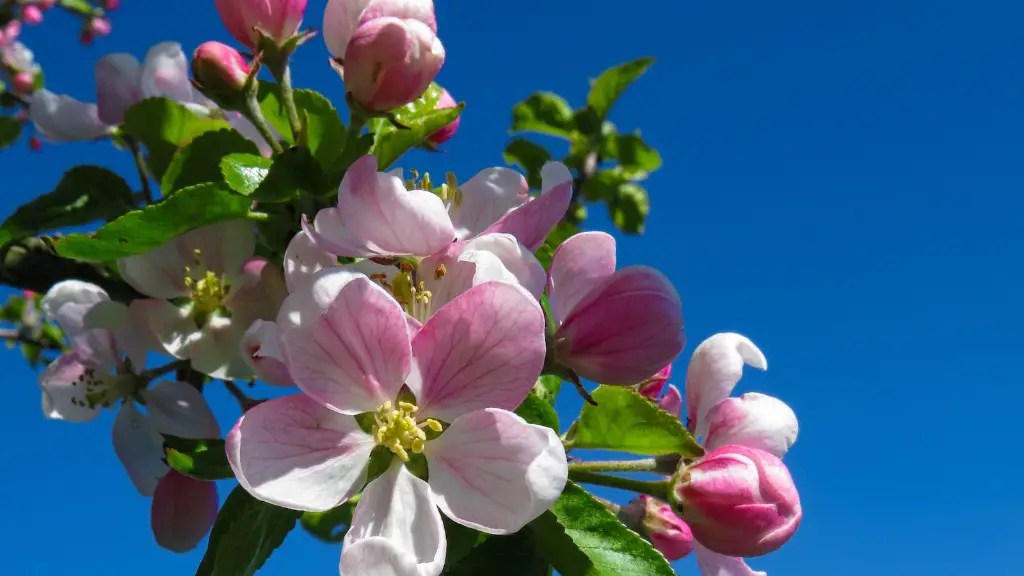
(219,289)
(715,369)
(656,522)
(446,133)
(739,501)
(389,49)
(31,14)
(614,327)
(279,20)
(183,511)
(351,350)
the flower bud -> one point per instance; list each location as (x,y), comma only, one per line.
(112,4)
(655,521)
(445,134)
(655,385)
(391,62)
(738,501)
(47,4)
(220,71)
(23,82)
(99,26)
(31,14)
(343,17)
(278,20)
(183,511)
(35,144)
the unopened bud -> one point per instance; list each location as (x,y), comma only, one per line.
(34,144)
(655,521)
(23,82)
(278,20)
(221,73)
(445,134)
(99,26)
(113,4)
(46,4)
(738,501)
(31,14)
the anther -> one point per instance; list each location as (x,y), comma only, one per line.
(440,271)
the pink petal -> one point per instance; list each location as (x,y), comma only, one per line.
(183,511)
(377,556)
(753,420)
(68,302)
(261,350)
(376,208)
(346,341)
(715,564)
(500,257)
(483,349)
(257,293)
(295,453)
(626,328)
(139,447)
(178,409)
(65,383)
(531,222)
(398,506)
(165,73)
(715,369)
(329,233)
(302,259)
(487,197)
(578,267)
(672,401)
(117,86)
(493,472)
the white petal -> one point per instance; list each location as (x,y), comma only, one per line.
(216,350)
(171,326)
(754,420)
(178,409)
(139,447)
(377,556)
(486,197)
(302,259)
(514,262)
(165,73)
(61,118)
(67,303)
(715,369)
(715,564)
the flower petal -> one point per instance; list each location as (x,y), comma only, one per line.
(578,267)
(170,326)
(672,401)
(65,383)
(330,234)
(513,262)
(377,556)
(754,420)
(68,302)
(715,369)
(398,506)
(183,511)
(118,78)
(715,564)
(484,349)
(139,447)
(98,350)
(494,472)
(485,198)
(302,259)
(178,409)
(132,334)
(215,349)
(624,330)
(61,118)
(531,222)
(346,341)
(165,73)
(295,453)
(376,208)
(261,350)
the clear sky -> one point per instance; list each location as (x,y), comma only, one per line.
(841,184)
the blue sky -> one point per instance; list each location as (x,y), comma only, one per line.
(841,184)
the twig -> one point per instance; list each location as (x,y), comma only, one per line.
(140,165)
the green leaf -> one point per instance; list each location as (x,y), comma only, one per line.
(634,155)
(580,537)
(514,555)
(293,171)
(10,130)
(245,534)
(536,410)
(626,421)
(330,526)
(547,387)
(604,184)
(84,194)
(461,541)
(607,88)
(544,112)
(530,156)
(153,226)
(325,133)
(273,110)
(164,126)
(629,208)
(201,459)
(243,173)
(421,119)
(199,161)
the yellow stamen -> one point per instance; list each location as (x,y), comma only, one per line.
(440,271)
(398,430)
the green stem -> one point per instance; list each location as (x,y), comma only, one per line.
(356,123)
(258,216)
(645,465)
(656,488)
(284,78)
(140,165)
(253,114)
(165,369)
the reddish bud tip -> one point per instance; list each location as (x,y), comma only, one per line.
(31,14)
(445,134)
(23,82)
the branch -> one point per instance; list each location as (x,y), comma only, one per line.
(31,264)
(17,336)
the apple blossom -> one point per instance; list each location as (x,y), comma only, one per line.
(715,369)
(218,289)
(614,327)
(753,420)
(352,350)
(278,20)
(655,521)
(738,501)
(446,133)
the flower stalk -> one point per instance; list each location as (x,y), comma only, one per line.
(656,488)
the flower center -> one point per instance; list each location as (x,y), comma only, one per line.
(207,293)
(449,190)
(410,292)
(397,429)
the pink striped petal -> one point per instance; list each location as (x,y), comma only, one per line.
(183,511)
(295,453)
(139,447)
(179,409)
(715,564)
(486,198)
(302,259)
(624,330)
(578,267)
(672,401)
(261,350)
(484,349)
(753,420)
(346,341)
(715,369)
(494,472)
(329,233)
(531,222)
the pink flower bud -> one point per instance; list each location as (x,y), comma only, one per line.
(656,522)
(34,144)
(11,31)
(47,4)
(739,501)
(99,26)
(23,82)
(219,69)
(86,37)
(655,385)
(183,511)
(391,62)
(277,19)
(31,14)
(343,17)
(445,134)
(113,4)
